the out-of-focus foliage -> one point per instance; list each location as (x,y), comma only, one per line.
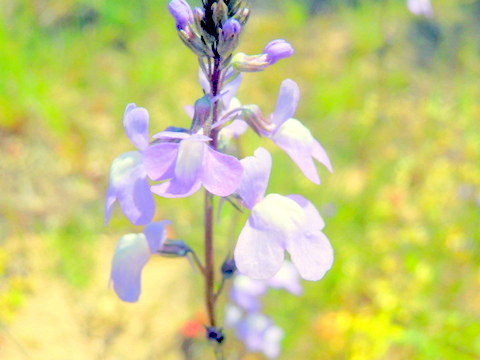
(393,98)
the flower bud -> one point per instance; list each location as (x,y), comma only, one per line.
(231,29)
(229,37)
(181,12)
(203,109)
(228,268)
(277,50)
(215,334)
(242,62)
(274,51)
(252,115)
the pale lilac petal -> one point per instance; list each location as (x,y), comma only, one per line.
(172,135)
(109,201)
(297,141)
(203,79)
(275,220)
(287,278)
(245,292)
(312,254)
(221,174)
(131,255)
(252,329)
(135,123)
(175,188)
(314,220)
(257,254)
(190,158)
(129,186)
(189,110)
(231,90)
(155,233)
(286,103)
(319,153)
(256,171)
(272,342)
(159,160)
(259,334)
(233,315)
(235,129)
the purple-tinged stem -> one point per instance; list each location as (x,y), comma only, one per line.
(210,296)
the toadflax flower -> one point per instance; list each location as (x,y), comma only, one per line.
(131,254)
(128,180)
(256,330)
(246,292)
(243,314)
(187,162)
(292,136)
(278,223)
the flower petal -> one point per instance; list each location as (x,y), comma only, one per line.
(131,255)
(159,160)
(287,278)
(272,224)
(286,103)
(314,220)
(176,188)
(129,186)
(234,129)
(297,141)
(135,123)
(231,90)
(155,233)
(257,254)
(189,161)
(245,292)
(312,254)
(221,174)
(319,153)
(256,171)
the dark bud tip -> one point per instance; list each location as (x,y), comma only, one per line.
(215,334)
(228,268)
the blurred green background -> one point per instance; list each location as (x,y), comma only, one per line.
(395,100)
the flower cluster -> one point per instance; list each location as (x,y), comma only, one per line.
(179,161)
(256,330)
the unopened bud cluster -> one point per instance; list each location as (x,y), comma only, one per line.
(212,30)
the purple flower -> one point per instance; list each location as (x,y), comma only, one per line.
(255,330)
(188,164)
(295,139)
(420,7)
(277,50)
(278,223)
(128,180)
(181,12)
(131,254)
(246,292)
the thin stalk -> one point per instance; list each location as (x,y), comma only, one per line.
(197,262)
(209,260)
(216,86)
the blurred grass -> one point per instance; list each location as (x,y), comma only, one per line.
(393,98)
